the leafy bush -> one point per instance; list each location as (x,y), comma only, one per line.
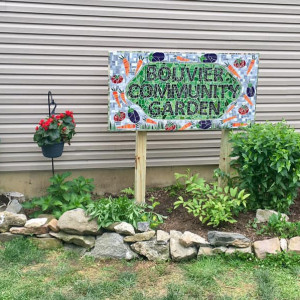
(63,195)
(211,203)
(268,164)
(278,226)
(122,209)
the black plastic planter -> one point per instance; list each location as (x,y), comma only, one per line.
(53,151)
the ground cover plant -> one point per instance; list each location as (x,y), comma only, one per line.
(209,202)
(267,162)
(60,275)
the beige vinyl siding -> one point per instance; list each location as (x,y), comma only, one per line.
(62,46)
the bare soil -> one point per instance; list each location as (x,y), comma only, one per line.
(179,219)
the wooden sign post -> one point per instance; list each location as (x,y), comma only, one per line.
(224,160)
(140,166)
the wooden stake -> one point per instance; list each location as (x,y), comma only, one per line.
(140,166)
(224,162)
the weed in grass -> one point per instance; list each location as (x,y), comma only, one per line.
(161,268)
(20,251)
(174,293)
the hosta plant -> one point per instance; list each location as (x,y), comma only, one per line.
(55,129)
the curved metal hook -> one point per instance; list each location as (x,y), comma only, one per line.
(51,102)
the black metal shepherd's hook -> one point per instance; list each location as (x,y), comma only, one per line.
(51,102)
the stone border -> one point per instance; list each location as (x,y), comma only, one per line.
(74,231)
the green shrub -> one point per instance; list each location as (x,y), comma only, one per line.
(209,202)
(268,164)
(278,226)
(122,209)
(63,195)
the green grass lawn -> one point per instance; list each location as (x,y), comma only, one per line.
(28,273)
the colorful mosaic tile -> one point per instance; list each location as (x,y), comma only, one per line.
(181,91)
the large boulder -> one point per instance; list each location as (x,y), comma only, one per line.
(77,222)
(263,215)
(264,247)
(46,243)
(9,219)
(111,245)
(152,250)
(189,239)
(179,252)
(79,240)
(218,238)
(139,237)
(294,244)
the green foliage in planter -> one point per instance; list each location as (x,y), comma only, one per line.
(122,209)
(209,202)
(268,164)
(63,195)
(278,226)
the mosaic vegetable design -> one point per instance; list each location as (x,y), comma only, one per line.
(232,70)
(126,64)
(251,65)
(122,94)
(209,58)
(250,90)
(180,58)
(204,124)
(170,126)
(239,63)
(133,115)
(157,56)
(117,79)
(243,110)
(120,116)
(139,64)
(116,96)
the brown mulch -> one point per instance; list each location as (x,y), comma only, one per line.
(179,219)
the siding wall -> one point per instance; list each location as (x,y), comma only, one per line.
(62,46)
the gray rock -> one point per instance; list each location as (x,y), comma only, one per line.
(8,219)
(7,236)
(15,196)
(231,250)
(124,228)
(152,250)
(162,237)
(263,215)
(179,252)
(36,223)
(294,244)
(14,207)
(77,222)
(79,240)
(219,250)
(111,245)
(283,244)
(46,243)
(139,237)
(143,226)
(49,217)
(189,239)
(205,251)
(262,248)
(112,226)
(74,248)
(218,238)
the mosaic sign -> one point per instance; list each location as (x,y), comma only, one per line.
(153,91)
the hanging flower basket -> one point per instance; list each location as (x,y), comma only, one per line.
(53,132)
(53,151)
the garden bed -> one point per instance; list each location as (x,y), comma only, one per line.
(179,219)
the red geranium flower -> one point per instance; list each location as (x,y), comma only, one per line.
(69,113)
(42,121)
(37,128)
(61,115)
